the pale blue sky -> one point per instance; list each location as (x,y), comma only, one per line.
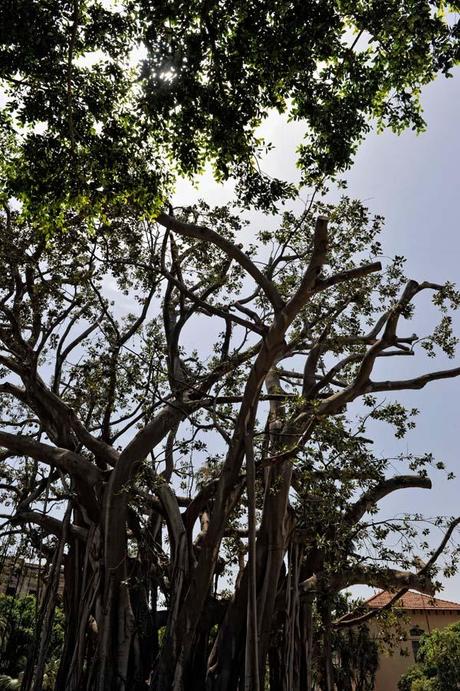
(412,181)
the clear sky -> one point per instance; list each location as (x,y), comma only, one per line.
(413,181)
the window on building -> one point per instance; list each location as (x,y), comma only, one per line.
(415,634)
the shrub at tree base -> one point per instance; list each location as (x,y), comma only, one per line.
(18,627)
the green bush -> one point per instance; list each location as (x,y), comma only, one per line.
(438,663)
(18,617)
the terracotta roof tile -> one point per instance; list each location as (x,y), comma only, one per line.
(412,600)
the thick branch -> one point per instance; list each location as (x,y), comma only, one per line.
(156,430)
(311,276)
(384,578)
(350,275)
(372,496)
(49,524)
(66,460)
(416,383)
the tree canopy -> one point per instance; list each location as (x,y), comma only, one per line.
(185,400)
(108,102)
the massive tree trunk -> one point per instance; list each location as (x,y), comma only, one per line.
(111,632)
(226,665)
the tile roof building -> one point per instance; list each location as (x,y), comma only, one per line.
(423,614)
(413,601)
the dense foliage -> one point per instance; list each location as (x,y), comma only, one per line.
(106,102)
(18,629)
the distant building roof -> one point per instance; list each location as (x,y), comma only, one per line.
(412,600)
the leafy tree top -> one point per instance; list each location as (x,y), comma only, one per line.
(87,121)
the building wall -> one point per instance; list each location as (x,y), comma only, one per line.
(391,668)
(20,578)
